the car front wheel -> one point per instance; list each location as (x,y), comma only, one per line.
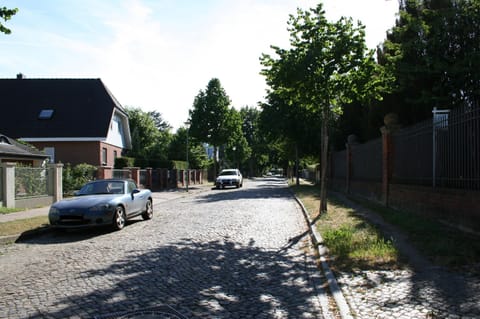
(119,218)
(148,213)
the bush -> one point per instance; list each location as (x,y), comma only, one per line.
(75,177)
(122,162)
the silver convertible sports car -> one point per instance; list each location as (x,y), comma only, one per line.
(102,202)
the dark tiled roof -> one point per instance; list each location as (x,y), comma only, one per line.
(82,108)
(11,148)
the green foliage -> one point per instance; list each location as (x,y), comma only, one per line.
(150,138)
(214,122)
(197,156)
(75,177)
(433,53)
(6,14)
(210,117)
(180,165)
(124,161)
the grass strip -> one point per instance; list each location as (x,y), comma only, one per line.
(352,243)
(20,226)
(442,244)
(6,210)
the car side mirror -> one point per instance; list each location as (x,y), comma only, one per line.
(135,191)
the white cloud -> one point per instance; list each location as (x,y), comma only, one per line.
(157,55)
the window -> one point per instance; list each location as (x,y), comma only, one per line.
(45,114)
(50,151)
(104,156)
(115,155)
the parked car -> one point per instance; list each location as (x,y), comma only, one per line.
(102,202)
(229,177)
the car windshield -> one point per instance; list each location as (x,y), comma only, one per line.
(226,173)
(102,187)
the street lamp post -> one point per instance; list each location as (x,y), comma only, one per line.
(187,125)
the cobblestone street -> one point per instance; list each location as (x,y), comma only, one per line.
(240,253)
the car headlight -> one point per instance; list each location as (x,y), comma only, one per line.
(54,211)
(100,208)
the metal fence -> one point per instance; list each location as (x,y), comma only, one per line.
(442,152)
(339,160)
(412,155)
(31,182)
(122,173)
(368,161)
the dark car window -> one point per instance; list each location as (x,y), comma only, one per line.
(228,173)
(102,187)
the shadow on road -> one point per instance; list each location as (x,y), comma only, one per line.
(217,279)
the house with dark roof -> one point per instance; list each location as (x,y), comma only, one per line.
(71,120)
(13,152)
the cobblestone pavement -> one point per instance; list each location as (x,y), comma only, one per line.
(419,291)
(241,253)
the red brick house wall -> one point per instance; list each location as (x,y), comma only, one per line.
(81,152)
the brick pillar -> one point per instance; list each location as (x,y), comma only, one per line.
(104,172)
(135,171)
(387,163)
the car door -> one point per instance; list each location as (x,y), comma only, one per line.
(134,201)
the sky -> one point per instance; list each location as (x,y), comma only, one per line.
(157,55)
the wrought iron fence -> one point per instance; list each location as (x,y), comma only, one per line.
(31,182)
(412,155)
(456,149)
(368,161)
(121,173)
(339,164)
(442,152)
(143,177)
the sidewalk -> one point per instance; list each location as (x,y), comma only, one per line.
(158,197)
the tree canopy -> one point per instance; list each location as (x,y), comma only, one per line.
(327,66)
(149,142)
(213,121)
(6,14)
(434,52)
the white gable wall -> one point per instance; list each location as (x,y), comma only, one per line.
(116,132)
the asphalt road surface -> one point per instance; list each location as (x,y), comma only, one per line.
(233,253)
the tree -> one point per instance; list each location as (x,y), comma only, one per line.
(257,161)
(434,54)
(327,66)
(149,144)
(197,156)
(5,15)
(212,120)
(237,147)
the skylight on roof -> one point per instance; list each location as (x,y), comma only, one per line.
(45,114)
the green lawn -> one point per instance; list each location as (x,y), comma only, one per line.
(352,242)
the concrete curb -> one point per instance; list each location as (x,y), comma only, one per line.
(340,300)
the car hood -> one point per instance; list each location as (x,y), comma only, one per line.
(85,201)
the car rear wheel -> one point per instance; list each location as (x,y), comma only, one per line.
(119,218)
(148,213)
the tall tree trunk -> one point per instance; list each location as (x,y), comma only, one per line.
(323,164)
